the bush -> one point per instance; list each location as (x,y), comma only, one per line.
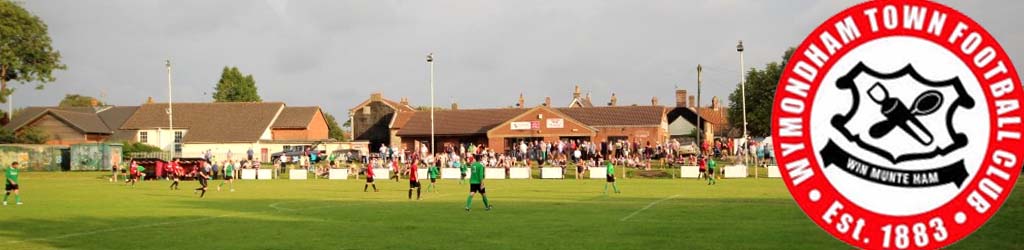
(137,147)
(32,135)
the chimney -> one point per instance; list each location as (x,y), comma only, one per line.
(376,97)
(691,102)
(93,102)
(714,103)
(613,101)
(522,102)
(455,106)
(547,101)
(576,93)
(681,98)
(654,101)
(149,100)
(405,101)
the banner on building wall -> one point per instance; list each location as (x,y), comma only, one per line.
(556,123)
(520,125)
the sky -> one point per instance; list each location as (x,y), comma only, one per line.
(334,54)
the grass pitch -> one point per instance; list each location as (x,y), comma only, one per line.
(85,211)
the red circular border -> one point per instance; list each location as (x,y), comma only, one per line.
(875,220)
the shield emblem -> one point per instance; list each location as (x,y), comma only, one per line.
(902,116)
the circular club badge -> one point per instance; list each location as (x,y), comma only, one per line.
(898,125)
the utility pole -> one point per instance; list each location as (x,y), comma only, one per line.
(430,60)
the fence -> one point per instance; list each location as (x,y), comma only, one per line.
(36,157)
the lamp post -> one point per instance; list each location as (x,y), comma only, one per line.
(430,61)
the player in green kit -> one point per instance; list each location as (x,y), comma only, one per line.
(142,174)
(711,171)
(229,177)
(11,185)
(462,170)
(433,172)
(476,183)
(610,175)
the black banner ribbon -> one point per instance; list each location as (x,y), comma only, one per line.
(954,173)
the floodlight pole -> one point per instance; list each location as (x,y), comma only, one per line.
(430,60)
(696,110)
(743,93)
(170,109)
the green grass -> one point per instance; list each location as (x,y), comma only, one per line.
(85,211)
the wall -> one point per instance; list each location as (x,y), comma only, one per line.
(220,150)
(681,127)
(373,127)
(95,156)
(239,150)
(315,130)
(163,139)
(410,143)
(638,134)
(33,157)
(570,128)
(59,132)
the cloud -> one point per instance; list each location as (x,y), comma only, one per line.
(335,53)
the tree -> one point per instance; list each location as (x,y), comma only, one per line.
(7,136)
(235,87)
(78,101)
(333,130)
(25,51)
(31,135)
(760,90)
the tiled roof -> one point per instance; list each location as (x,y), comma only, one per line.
(582,102)
(210,122)
(617,115)
(718,116)
(106,120)
(458,122)
(85,122)
(26,115)
(295,117)
(396,105)
(401,118)
(114,117)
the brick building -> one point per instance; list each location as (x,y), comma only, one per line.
(371,119)
(381,121)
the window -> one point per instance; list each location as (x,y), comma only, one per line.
(366,110)
(144,137)
(177,142)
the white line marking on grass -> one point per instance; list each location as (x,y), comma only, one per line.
(275,205)
(63,236)
(647,207)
